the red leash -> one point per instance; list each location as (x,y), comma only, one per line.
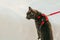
(53,13)
(47,17)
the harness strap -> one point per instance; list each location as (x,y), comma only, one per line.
(46,18)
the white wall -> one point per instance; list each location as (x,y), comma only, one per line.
(14,25)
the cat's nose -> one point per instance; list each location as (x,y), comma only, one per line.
(27,18)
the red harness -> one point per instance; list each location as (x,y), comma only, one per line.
(46,16)
(42,20)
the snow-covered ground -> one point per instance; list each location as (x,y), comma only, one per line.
(14,25)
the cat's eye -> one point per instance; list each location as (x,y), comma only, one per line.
(32,13)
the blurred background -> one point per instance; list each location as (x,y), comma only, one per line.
(15,26)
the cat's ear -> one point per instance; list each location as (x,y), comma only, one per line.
(30,8)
